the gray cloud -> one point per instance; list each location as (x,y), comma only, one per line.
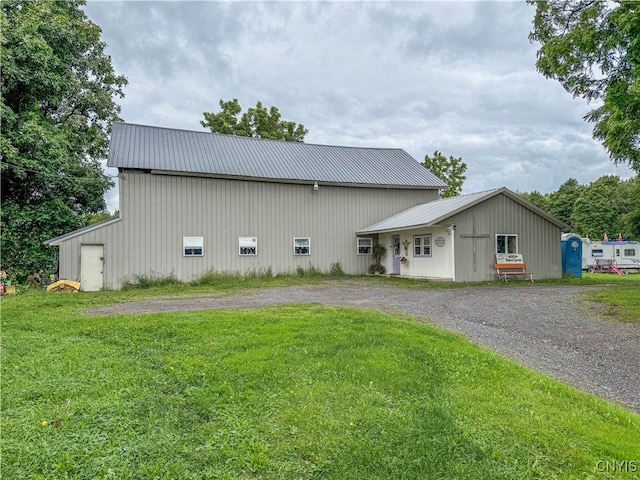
(458,77)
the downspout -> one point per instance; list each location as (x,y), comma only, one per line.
(452,233)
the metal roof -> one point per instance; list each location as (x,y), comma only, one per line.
(202,153)
(435,212)
(57,240)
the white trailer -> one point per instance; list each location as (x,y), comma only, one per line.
(625,253)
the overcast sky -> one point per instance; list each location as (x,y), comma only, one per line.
(458,77)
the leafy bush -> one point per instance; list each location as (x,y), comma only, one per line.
(377,268)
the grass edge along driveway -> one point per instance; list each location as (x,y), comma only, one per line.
(287,392)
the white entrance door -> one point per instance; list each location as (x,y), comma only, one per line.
(91,263)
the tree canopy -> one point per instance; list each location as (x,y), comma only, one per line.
(592,47)
(450,170)
(58,103)
(257,122)
(632,217)
(560,203)
(601,206)
(608,204)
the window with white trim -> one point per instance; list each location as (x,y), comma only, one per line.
(365,246)
(396,245)
(629,252)
(506,243)
(248,245)
(302,246)
(422,245)
(192,246)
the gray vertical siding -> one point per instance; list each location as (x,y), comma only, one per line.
(69,252)
(157,211)
(538,239)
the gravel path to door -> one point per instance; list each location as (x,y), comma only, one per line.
(547,328)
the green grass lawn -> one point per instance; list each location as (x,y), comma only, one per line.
(621,295)
(299,392)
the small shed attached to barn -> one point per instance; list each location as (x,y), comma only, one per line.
(458,238)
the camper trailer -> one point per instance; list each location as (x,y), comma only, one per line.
(625,254)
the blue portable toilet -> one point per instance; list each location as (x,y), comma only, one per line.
(571,255)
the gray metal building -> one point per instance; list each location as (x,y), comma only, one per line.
(195,202)
(458,238)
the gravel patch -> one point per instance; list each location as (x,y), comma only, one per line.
(547,328)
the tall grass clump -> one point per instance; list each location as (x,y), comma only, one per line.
(265,277)
(223,280)
(147,282)
(235,280)
(310,271)
(336,270)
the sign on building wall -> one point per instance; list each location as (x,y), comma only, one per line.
(509,258)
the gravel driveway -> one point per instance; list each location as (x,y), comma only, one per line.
(546,328)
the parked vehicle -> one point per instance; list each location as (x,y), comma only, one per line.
(623,254)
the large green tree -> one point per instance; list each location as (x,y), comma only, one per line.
(592,47)
(561,202)
(540,200)
(256,122)
(58,103)
(450,170)
(631,218)
(601,208)
(607,205)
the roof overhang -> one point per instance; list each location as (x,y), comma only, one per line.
(398,229)
(81,231)
(407,221)
(289,181)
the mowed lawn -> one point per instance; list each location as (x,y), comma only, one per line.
(299,392)
(623,300)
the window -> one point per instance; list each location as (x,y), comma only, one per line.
(506,243)
(597,253)
(192,246)
(629,252)
(365,245)
(422,246)
(302,246)
(248,245)
(396,245)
